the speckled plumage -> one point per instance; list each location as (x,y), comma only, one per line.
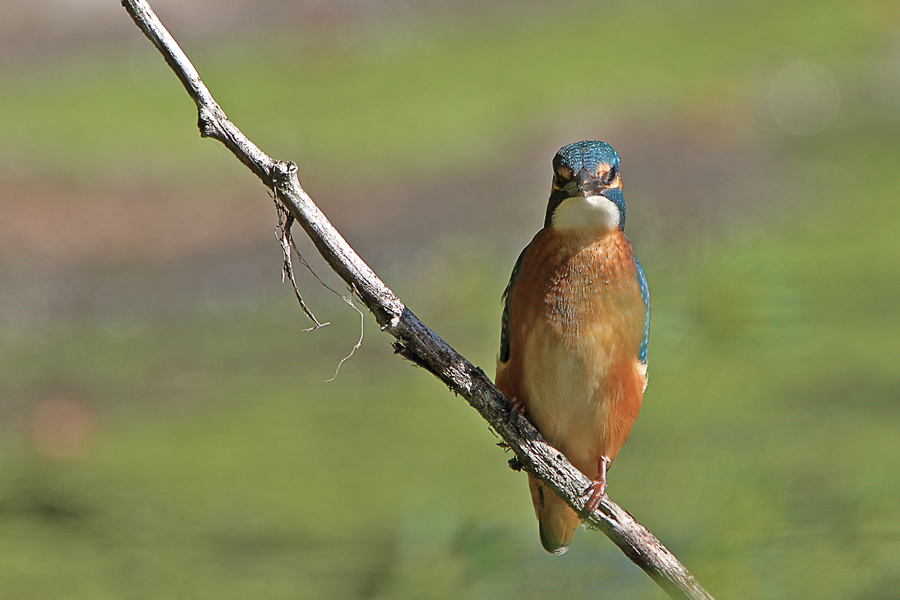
(575,329)
(588,154)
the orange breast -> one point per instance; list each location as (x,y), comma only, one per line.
(575,326)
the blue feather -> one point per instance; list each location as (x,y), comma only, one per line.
(645,296)
(588,154)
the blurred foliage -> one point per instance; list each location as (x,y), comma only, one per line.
(431,97)
(213,460)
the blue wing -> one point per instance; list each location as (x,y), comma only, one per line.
(645,296)
(504,320)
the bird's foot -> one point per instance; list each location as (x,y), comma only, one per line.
(514,405)
(598,487)
(598,491)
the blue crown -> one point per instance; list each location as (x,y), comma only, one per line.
(588,154)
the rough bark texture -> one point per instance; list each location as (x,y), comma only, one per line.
(415,341)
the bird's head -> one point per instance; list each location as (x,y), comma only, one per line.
(587,190)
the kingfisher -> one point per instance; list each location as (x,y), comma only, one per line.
(575,329)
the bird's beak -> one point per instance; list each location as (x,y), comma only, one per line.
(588,183)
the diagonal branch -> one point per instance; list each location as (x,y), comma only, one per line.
(415,341)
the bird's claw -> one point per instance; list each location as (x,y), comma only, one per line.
(514,405)
(598,486)
(598,492)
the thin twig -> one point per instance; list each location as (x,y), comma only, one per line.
(288,245)
(414,340)
(362,332)
(285,220)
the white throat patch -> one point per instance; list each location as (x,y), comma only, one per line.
(593,213)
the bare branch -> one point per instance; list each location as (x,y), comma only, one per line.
(415,341)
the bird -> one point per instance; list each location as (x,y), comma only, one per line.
(575,329)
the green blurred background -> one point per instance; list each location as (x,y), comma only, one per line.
(166,428)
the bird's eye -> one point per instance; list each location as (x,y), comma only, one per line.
(610,175)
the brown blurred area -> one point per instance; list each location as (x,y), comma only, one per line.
(70,249)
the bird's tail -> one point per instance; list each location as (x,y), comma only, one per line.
(557,520)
